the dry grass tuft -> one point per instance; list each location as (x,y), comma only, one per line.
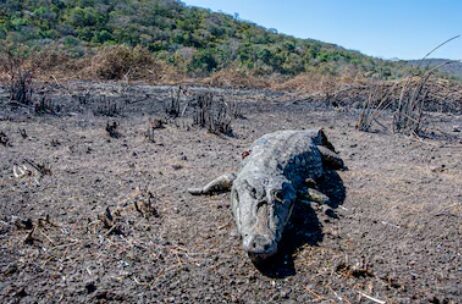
(300,83)
(315,83)
(234,78)
(50,60)
(118,62)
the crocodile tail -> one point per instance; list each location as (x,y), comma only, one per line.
(196,191)
(220,184)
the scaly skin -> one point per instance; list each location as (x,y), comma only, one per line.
(264,191)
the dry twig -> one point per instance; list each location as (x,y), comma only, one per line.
(371,298)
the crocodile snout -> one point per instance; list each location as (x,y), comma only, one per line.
(259,247)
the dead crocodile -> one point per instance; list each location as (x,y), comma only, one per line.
(279,167)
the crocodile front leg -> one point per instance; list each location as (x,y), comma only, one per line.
(314,195)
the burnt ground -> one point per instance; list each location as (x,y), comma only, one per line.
(393,232)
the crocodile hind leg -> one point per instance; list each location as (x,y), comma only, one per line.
(331,159)
(219,184)
(329,156)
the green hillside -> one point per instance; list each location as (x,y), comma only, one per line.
(194,40)
(451,68)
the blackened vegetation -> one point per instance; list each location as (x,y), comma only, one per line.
(45,106)
(150,134)
(20,85)
(146,208)
(215,116)
(409,113)
(156,123)
(153,124)
(23,133)
(4,140)
(409,107)
(173,106)
(103,105)
(112,130)
(107,107)
(379,99)
(235,110)
(84,99)
(142,202)
(108,222)
(408,117)
(205,109)
(42,168)
(352,271)
(55,143)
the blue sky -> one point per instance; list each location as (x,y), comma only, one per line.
(406,29)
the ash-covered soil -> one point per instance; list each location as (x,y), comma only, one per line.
(87,218)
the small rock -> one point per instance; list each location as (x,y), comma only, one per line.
(90,287)
(10,269)
(438,168)
(21,293)
(285,293)
(157,123)
(456,129)
(329,211)
(22,223)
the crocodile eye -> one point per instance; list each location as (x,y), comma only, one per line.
(253,193)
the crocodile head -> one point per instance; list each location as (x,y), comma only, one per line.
(261,209)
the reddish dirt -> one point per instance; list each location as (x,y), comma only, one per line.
(393,233)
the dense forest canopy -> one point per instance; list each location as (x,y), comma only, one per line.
(195,40)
